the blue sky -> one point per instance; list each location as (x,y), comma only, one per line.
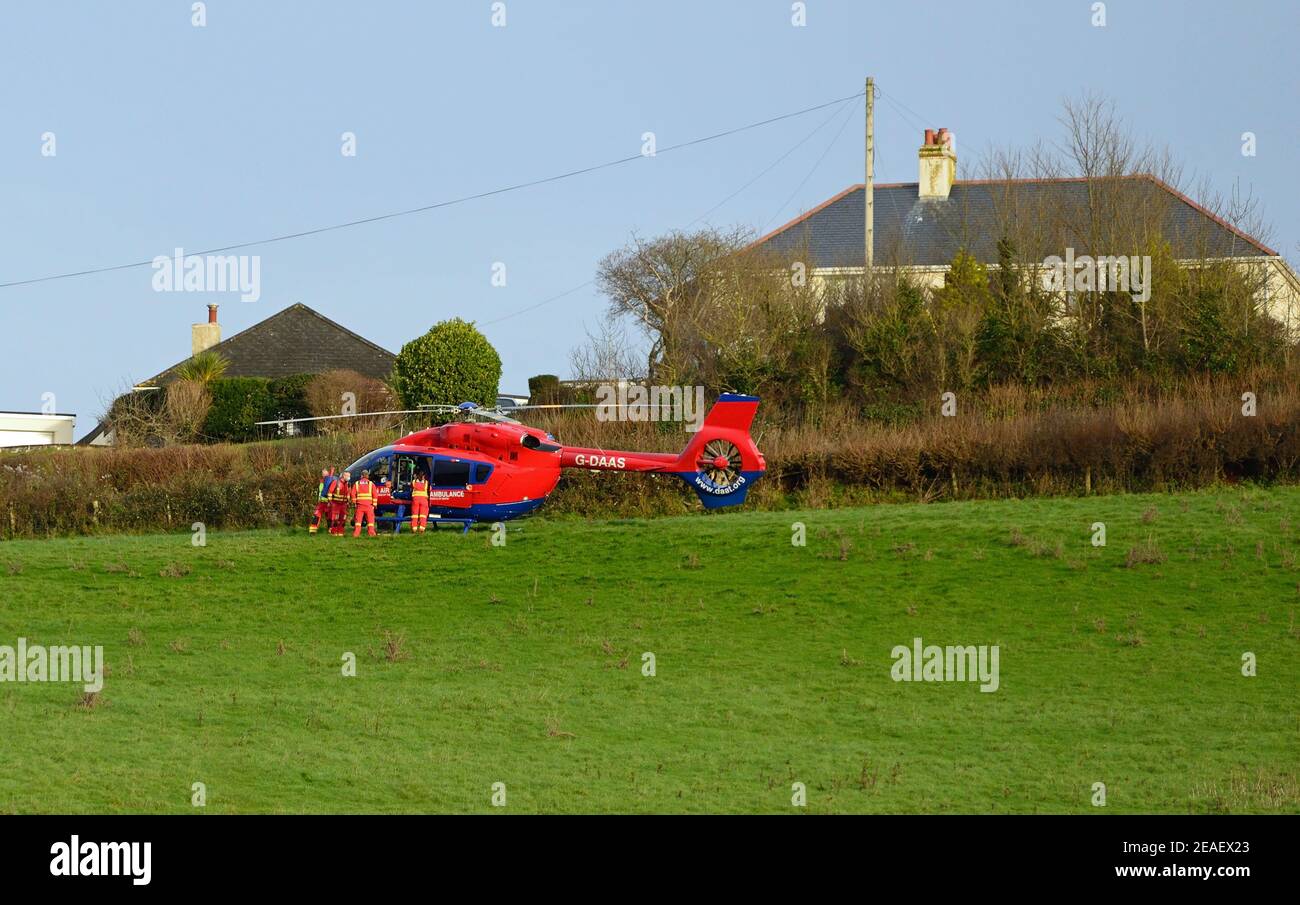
(169,135)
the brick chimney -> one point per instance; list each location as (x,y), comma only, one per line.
(938,161)
(205,336)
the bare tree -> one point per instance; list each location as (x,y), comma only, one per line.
(757,318)
(144,417)
(656,283)
(606,355)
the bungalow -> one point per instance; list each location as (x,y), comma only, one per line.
(920,226)
(296,340)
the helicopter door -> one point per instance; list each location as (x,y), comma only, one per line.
(450,483)
(405,468)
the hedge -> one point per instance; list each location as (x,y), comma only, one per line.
(237,404)
(289,397)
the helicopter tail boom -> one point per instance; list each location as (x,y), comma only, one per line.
(720,463)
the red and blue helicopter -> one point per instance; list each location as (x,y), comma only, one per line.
(501,469)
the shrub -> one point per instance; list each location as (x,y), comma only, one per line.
(204,367)
(452,363)
(139,418)
(342,392)
(186,408)
(289,396)
(544,389)
(238,403)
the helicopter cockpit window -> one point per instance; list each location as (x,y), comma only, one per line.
(378,469)
(375,463)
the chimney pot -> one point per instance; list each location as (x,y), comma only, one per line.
(929,136)
(205,336)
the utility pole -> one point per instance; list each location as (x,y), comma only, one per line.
(871,174)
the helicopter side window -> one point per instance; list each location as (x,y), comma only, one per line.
(450,474)
(481,473)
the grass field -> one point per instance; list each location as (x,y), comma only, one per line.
(522,664)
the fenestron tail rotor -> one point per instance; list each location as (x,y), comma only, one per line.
(720,462)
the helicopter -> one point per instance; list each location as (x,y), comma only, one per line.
(500,469)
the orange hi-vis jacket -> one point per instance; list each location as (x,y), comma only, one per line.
(419,490)
(363,493)
(338,491)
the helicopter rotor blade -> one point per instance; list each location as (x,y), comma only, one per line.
(331,417)
(423,410)
(496,413)
(578,405)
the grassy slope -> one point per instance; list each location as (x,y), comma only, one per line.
(772,660)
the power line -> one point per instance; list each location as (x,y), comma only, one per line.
(911,120)
(761,174)
(897,103)
(907,113)
(441,204)
(554,298)
(771,166)
(834,140)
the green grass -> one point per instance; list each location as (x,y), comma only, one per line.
(522,664)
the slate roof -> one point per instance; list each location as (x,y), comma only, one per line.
(929,232)
(297,340)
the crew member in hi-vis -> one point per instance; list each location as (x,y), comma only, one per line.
(339,504)
(323,504)
(363,498)
(419,503)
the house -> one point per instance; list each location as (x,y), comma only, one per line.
(296,340)
(35,428)
(919,227)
